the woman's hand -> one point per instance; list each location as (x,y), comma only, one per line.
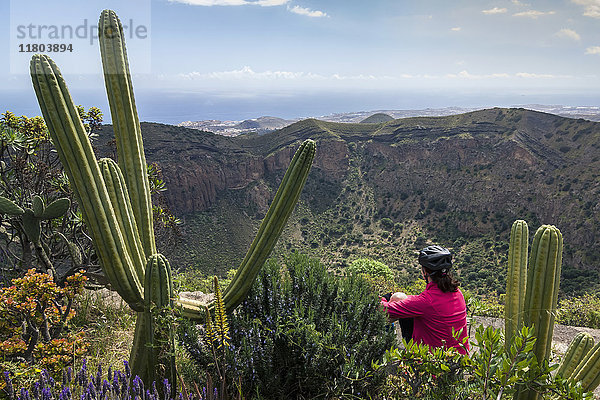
(398,296)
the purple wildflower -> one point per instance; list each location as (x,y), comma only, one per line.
(127,369)
(24,394)
(9,386)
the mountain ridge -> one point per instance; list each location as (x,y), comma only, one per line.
(487,168)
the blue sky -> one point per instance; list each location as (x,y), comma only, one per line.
(494,52)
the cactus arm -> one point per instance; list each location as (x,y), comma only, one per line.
(281,208)
(37,206)
(516,279)
(191,309)
(126,124)
(542,285)
(283,204)
(56,209)
(578,349)
(588,371)
(9,207)
(76,155)
(117,191)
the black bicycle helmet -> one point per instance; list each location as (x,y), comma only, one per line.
(436,259)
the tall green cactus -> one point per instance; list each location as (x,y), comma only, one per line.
(516,280)
(115,201)
(543,280)
(538,307)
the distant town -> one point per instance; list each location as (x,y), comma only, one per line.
(263,125)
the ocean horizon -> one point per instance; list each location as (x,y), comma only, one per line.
(171,107)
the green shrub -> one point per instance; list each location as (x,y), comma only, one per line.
(580,311)
(303,333)
(386,223)
(370,267)
(34,324)
(490,372)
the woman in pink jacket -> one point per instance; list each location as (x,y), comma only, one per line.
(439,310)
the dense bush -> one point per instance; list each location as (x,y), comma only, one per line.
(370,267)
(580,311)
(490,372)
(303,333)
(34,318)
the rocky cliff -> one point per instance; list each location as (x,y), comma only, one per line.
(443,178)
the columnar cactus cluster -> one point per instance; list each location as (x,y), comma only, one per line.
(531,300)
(532,288)
(116,204)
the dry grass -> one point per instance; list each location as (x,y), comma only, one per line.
(109,326)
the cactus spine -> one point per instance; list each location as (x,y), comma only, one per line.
(516,279)
(115,201)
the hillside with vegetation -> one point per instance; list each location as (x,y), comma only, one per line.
(383,190)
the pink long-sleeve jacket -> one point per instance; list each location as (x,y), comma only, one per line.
(435,314)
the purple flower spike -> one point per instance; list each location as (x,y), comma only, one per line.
(98,380)
(9,386)
(91,389)
(127,369)
(24,394)
(138,387)
(36,391)
(46,394)
(167,389)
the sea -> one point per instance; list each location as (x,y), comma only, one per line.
(170,107)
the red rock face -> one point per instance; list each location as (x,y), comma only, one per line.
(194,184)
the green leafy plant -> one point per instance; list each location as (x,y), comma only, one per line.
(303,333)
(370,267)
(493,371)
(581,310)
(116,203)
(39,225)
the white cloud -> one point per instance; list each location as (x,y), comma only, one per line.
(533,13)
(456,29)
(307,12)
(593,50)
(495,10)
(591,8)
(529,75)
(467,75)
(568,33)
(208,3)
(246,73)
(519,3)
